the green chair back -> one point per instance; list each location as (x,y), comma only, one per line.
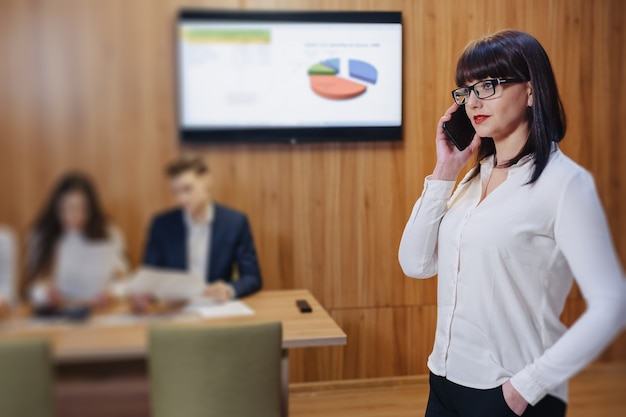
(25,379)
(225,371)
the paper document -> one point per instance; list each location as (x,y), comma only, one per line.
(209,309)
(83,270)
(166,285)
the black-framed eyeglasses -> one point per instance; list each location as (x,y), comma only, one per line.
(482,89)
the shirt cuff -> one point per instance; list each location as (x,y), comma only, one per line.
(232,289)
(437,189)
(528,387)
(38,294)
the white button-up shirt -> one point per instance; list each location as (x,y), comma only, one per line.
(199,242)
(505,267)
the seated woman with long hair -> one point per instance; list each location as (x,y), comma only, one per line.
(74,252)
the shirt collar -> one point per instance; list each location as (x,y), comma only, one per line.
(524,165)
(205,221)
(72,234)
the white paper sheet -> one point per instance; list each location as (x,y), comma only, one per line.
(84,269)
(166,285)
(209,309)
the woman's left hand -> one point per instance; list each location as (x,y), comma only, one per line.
(514,399)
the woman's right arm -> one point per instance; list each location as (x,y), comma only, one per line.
(418,247)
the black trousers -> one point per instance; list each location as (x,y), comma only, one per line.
(447,399)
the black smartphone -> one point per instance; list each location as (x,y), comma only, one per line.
(303,306)
(459,129)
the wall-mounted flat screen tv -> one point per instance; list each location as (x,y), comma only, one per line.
(288,76)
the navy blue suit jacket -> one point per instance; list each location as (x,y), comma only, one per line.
(231,244)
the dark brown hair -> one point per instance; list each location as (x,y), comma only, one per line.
(186,163)
(510,53)
(47,228)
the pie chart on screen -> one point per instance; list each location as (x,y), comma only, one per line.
(329,81)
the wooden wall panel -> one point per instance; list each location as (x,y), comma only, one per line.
(89,85)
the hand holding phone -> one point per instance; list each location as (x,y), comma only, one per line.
(450,161)
(459,129)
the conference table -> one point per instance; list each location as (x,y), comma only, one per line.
(119,335)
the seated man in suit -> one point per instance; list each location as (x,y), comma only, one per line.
(203,238)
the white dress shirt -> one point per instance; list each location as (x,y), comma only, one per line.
(199,242)
(7,265)
(505,267)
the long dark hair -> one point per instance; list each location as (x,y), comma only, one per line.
(47,228)
(514,54)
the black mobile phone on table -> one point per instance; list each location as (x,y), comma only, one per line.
(304,306)
(459,129)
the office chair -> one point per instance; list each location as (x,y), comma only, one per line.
(26,385)
(216,370)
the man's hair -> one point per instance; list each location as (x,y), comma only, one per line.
(183,164)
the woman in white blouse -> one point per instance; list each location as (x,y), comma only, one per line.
(74,252)
(507,244)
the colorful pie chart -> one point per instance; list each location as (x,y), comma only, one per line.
(326,80)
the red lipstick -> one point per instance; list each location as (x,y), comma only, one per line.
(479,118)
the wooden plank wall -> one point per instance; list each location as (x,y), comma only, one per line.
(89,85)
